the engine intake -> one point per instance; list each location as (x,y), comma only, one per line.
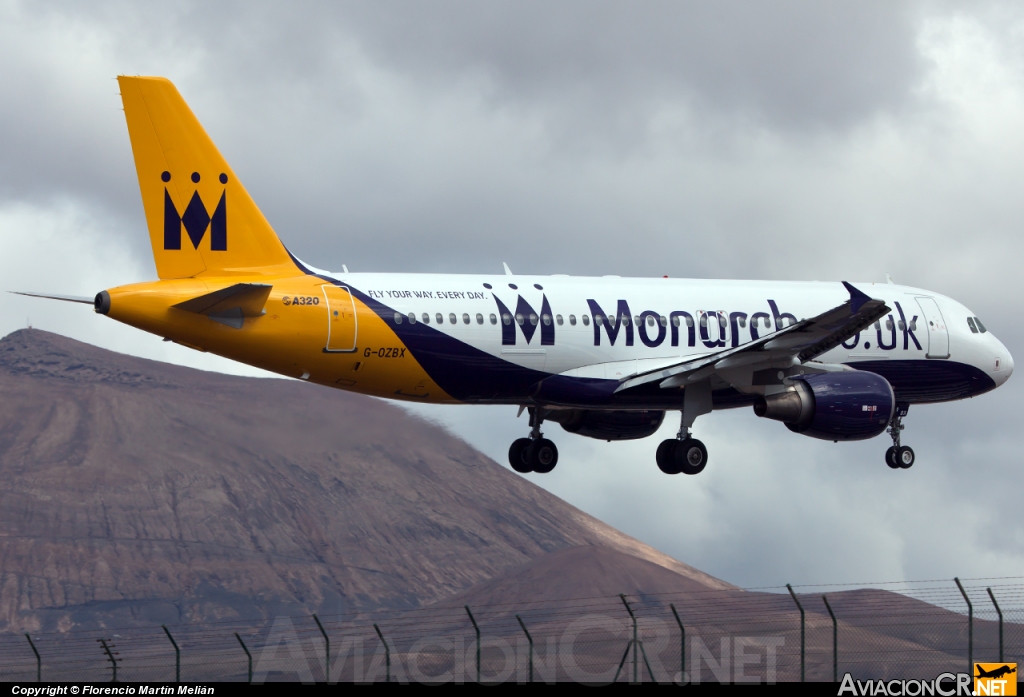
(832,406)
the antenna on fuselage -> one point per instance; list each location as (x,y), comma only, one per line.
(888,279)
(508,271)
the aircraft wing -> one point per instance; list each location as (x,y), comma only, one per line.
(798,343)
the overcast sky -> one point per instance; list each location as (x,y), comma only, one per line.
(775,140)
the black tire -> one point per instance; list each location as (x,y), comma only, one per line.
(666,456)
(905,457)
(517,455)
(691,457)
(890,458)
(542,456)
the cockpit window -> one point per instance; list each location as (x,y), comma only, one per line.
(970,323)
(981,327)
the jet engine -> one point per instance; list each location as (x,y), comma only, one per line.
(608,425)
(832,406)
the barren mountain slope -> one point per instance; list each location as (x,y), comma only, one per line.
(136,491)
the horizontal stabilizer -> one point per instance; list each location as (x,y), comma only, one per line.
(230,305)
(65,298)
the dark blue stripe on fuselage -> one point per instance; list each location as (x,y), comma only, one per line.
(923,382)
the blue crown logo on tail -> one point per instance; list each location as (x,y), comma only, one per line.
(195,219)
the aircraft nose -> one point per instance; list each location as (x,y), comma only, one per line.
(1004,364)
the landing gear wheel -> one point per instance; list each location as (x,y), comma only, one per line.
(542,455)
(904,457)
(691,457)
(666,456)
(517,455)
(890,458)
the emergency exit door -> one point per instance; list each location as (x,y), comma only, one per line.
(341,319)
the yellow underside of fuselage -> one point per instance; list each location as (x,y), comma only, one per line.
(289,338)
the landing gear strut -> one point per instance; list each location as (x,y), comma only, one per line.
(898,456)
(536,453)
(682,454)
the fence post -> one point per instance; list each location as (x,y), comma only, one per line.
(110,657)
(530,639)
(248,655)
(327,651)
(1000,613)
(635,637)
(970,627)
(477,628)
(803,644)
(835,641)
(682,646)
(39,661)
(177,654)
(387,654)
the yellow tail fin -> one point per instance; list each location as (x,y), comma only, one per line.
(201,219)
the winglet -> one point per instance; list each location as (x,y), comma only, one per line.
(508,271)
(857,298)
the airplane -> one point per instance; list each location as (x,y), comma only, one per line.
(604,357)
(995,672)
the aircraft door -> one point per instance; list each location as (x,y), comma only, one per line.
(342,322)
(938,337)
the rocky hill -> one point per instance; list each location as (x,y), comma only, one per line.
(136,492)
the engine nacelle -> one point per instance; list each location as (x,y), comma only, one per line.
(608,425)
(852,405)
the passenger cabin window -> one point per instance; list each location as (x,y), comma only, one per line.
(480,318)
(743,322)
(663,320)
(452,318)
(981,327)
(426,318)
(598,320)
(586,320)
(546,319)
(519,319)
(572,320)
(398,318)
(888,324)
(494,319)
(439,317)
(506,318)
(412,318)
(533,319)
(465,318)
(558,320)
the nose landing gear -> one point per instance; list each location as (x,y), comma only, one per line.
(533,454)
(899,456)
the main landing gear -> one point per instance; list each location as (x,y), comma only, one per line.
(533,454)
(898,456)
(682,454)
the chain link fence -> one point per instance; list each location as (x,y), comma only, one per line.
(817,633)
